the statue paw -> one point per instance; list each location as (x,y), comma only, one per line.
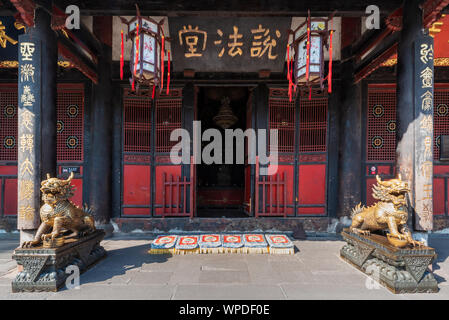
(361,232)
(29,244)
(398,236)
(416,243)
(47,236)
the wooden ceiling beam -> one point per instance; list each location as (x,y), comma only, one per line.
(78,58)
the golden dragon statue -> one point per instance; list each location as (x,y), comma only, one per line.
(58,214)
(390,212)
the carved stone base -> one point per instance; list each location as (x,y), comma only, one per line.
(45,269)
(401,270)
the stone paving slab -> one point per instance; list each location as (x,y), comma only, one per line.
(129,292)
(229,292)
(315,271)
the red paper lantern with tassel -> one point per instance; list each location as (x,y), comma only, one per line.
(148,49)
(309,41)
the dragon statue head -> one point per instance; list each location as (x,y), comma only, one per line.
(393,190)
(54,189)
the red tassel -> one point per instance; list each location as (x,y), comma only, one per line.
(310,93)
(121,57)
(154,89)
(168,73)
(288,63)
(329,76)
(132,85)
(288,74)
(291,69)
(162,62)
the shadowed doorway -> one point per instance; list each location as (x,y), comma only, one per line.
(221,187)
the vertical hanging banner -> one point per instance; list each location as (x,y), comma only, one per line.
(423,166)
(29,101)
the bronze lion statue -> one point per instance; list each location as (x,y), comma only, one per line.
(58,214)
(388,213)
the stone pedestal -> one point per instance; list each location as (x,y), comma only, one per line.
(401,270)
(42,269)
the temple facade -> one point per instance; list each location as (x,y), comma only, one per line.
(65,107)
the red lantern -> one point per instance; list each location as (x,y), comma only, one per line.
(147,53)
(309,41)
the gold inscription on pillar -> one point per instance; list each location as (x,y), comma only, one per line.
(427,123)
(427,78)
(27,119)
(26,212)
(427,192)
(427,101)
(26,167)
(26,50)
(26,190)
(26,142)
(427,169)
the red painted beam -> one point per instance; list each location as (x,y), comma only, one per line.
(59,23)
(432,11)
(376,63)
(77,62)
(26,9)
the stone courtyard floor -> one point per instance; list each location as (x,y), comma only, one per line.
(314,272)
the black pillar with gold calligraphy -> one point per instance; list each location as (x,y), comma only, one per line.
(423,163)
(38,55)
(29,131)
(414,115)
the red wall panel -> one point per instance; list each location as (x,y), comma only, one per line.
(438,196)
(441,170)
(312,184)
(136,185)
(78,197)
(369,187)
(10,205)
(137,211)
(312,211)
(8,170)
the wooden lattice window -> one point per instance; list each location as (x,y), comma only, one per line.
(381,123)
(441,117)
(8,122)
(313,124)
(137,121)
(282,117)
(70,122)
(168,118)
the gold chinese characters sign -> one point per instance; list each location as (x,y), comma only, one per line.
(238,44)
(28,128)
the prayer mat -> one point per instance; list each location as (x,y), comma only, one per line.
(210,243)
(187,245)
(280,244)
(232,243)
(255,243)
(163,245)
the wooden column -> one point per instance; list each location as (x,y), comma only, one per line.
(100,157)
(414,137)
(350,155)
(37,117)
